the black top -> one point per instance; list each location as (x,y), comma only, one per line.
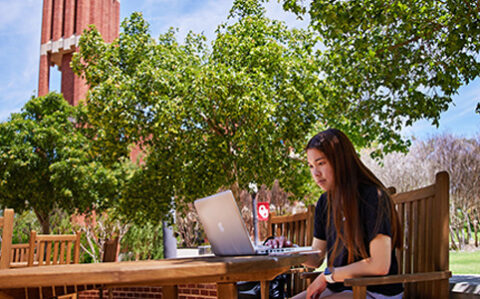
(368,205)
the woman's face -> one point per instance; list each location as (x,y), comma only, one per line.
(321,169)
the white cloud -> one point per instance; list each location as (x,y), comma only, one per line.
(275,11)
(204,17)
(197,16)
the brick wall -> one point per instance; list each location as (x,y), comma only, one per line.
(190,291)
(197,291)
(63,22)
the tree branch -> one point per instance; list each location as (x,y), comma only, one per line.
(468,4)
(413,39)
(212,126)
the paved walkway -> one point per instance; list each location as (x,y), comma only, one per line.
(465,284)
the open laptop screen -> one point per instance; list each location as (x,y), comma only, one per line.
(225,229)
(223,224)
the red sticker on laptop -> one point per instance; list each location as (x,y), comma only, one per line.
(263,211)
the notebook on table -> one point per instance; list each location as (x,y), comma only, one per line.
(226,230)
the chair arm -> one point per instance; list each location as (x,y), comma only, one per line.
(400,278)
(310,275)
(387,279)
(298,270)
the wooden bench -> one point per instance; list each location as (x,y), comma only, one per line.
(297,228)
(424,259)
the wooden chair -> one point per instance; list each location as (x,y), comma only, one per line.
(423,260)
(41,254)
(6,222)
(19,255)
(111,249)
(297,228)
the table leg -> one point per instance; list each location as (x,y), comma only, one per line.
(5,296)
(227,290)
(170,292)
(265,289)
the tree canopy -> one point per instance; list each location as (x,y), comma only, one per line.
(205,117)
(46,162)
(397,56)
(241,110)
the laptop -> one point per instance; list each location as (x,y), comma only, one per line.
(225,229)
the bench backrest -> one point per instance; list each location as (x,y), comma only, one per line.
(47,250)
(297,228)
(424,217)
(19,253)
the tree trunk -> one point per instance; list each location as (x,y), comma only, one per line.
(469,228)
(475,227)
(46,227)
(459,239)
(475,231)
(462,236)
(44,220)
(452,238)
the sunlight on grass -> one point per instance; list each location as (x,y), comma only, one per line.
(463,262)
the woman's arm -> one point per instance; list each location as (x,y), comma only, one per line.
(316,260)
(377,264)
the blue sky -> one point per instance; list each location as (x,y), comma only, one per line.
(20,24)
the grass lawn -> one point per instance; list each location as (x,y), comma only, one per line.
(461,262)
(465,262)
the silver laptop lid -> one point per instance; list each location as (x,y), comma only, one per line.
(224,225)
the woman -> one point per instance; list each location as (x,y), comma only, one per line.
(356,224)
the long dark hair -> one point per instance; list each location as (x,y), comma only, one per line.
(344,200)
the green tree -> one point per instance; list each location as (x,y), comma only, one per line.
(205,117)
(46,162)
(240,111)
(398,61)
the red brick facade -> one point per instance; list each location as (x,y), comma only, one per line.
(62,24)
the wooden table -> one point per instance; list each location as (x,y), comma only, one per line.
(49,281)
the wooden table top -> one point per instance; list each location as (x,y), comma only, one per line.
(154,272)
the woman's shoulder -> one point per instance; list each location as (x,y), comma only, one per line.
(366,188)
(370,193)
(322,201)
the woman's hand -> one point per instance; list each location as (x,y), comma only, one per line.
(316,287)
(278,242)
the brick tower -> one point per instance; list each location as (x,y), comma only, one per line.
(62,24)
